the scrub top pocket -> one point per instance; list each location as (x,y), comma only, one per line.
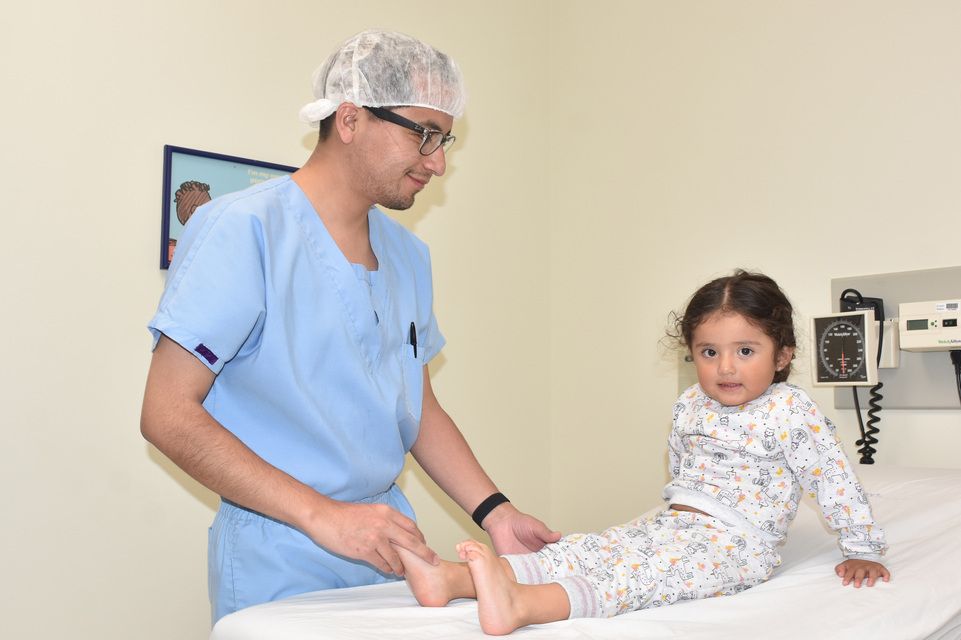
(410,404)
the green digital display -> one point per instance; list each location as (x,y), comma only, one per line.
(917,325)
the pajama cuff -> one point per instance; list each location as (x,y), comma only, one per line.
(526,569)
(580,591)
(583,598)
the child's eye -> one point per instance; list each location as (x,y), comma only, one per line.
(745,351)
(708,352)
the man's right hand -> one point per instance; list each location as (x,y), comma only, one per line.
(365,532)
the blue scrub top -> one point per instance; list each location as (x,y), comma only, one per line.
(315,370)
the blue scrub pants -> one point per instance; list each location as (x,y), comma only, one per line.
(253,559)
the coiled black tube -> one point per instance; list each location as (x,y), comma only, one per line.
(868,440)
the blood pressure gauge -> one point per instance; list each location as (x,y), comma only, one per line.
(844,349)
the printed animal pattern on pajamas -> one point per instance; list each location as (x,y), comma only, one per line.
(755,460)
(676,555)
(744,465)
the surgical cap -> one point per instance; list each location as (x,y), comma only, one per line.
(386,69)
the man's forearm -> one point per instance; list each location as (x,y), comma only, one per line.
(444,454)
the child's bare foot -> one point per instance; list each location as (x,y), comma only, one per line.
(435,585)
(497,605)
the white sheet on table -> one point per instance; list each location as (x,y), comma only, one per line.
(919,508)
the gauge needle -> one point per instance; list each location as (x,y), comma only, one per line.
(843,367)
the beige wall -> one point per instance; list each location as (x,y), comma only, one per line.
(613,157)
(804,139)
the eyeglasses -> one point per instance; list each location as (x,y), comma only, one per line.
(431,139)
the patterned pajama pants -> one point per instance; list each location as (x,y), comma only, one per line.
(676,555)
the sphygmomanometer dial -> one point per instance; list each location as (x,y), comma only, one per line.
(841,350)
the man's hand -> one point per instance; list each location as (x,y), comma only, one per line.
(857,571)
(366,531)
(514,532)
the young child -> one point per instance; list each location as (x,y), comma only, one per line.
(743,445)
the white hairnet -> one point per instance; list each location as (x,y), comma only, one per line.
(386,69)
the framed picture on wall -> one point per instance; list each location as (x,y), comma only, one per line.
(192,178)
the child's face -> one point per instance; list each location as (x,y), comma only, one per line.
(735,360)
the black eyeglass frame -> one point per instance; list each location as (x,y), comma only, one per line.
(445,140)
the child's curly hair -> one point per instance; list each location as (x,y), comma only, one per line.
(753,295)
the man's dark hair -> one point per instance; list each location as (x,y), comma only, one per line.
(326,126)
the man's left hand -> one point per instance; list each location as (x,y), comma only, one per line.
(514,532)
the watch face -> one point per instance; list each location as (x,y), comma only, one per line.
(841,350)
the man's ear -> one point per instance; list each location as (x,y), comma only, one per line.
(346,120)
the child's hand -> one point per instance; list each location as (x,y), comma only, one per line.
(857,571)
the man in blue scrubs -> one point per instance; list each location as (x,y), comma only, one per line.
(289,370)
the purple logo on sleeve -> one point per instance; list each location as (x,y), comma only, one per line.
(208,355)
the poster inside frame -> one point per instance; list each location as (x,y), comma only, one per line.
(192,178)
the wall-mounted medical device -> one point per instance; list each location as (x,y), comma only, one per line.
(930,326)
(845,347)
(922,379)
(847,354)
